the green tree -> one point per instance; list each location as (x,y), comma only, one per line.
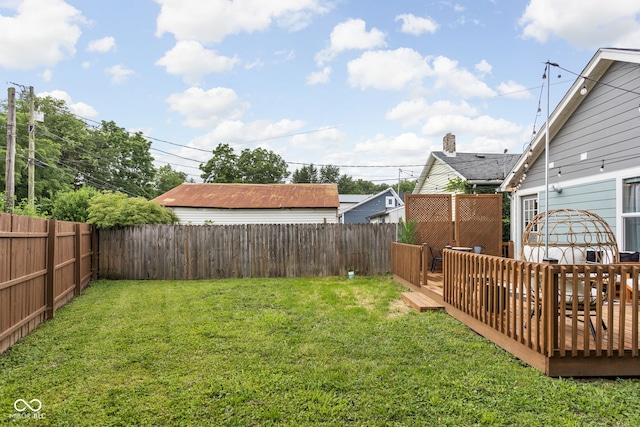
(307,174)
(50,176)
(257,166)
(329,174)
(168,178)
(367,187)
(457,185)
(73,205)
(222,167)
(406,186)
(68,153)
(346,185)
(123,161)
(260,166)
(108,210)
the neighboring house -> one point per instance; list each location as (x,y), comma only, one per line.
(350,200)
(594,151)
(480,170)
(253,203)
(360,212)
(391,216)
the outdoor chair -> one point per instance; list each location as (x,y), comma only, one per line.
(585,297)
(436,257)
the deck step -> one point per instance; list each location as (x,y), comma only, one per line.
(420,302)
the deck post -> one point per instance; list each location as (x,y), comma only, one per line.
(551,302)
(424,265)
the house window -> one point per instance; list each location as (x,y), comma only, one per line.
(390,202)
(529,210)
(631,213)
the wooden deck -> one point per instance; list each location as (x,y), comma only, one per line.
(577,353)
(434,288)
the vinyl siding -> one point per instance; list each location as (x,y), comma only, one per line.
(438,178)
(359,214)
(606,126)
(199,216)
(597,197)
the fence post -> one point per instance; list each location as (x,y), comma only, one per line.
(95,259)
(51,267)
(78,260)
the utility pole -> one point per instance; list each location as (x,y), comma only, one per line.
(32,150)
(11,150)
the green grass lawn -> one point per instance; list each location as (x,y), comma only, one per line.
(282,352)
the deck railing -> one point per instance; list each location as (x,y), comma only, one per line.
(407,262)
(532,303)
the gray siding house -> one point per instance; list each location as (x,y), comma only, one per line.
(361,212)
(594,151)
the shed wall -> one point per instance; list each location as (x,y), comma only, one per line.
(201,216)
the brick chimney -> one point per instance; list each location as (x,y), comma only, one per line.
(449,144)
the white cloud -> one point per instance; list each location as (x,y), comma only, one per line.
(213,20)
(417,25)
(257,63)
(459,80)
(514,90)
(415,112)
(319,77)
(483,67)
(47,75)
(326,140)
(237,134)
(192,61)
(587,24)
(79,108)
(286,55)
(482,125)
(119,73)
(41,33)
(406,142)
(388,69)
(102,45)
(207,108)
(348,35)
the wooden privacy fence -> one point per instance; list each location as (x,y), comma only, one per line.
(176,252)
(43,264)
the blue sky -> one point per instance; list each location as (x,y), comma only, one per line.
(371,86)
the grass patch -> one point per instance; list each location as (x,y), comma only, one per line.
(283,352)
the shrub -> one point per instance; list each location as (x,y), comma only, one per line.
(73,205)
(407,231)
(109,210)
